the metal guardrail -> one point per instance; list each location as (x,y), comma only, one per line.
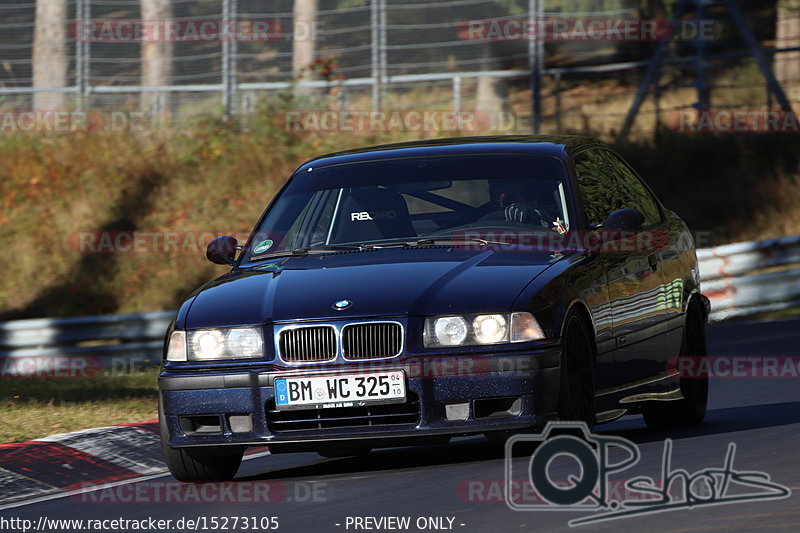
(740,279)
(82,345)
(751,277)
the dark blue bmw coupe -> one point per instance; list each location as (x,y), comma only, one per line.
(409,293)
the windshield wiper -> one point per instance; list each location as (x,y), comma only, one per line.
(386,244)
(302,252)
(456,240)
(427,241)
(298,252)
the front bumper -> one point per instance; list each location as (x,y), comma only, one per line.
(446,397)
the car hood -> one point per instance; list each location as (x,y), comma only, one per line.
(386,282)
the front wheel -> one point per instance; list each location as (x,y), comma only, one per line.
(691,409)
(213,463)
(577,385)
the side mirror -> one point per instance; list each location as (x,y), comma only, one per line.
(624,219)
(222,250)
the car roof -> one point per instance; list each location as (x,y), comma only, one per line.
(552,145)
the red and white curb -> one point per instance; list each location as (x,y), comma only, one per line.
(62,463)
(83,462)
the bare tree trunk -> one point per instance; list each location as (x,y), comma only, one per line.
(491,96)
(787,35)
(156,55)
(50,53)
(491,99)
(304,41)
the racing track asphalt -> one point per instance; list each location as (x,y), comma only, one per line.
(761,416)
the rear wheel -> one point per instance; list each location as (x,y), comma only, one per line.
(213,463)
(577,385)
(694,388)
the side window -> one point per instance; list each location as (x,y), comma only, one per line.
(600,196)
(633,191)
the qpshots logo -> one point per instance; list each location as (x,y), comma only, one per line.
(600,459)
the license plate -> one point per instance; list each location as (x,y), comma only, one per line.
(342,390)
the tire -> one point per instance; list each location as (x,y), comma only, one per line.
(213,463)
(691,410)
(577,377)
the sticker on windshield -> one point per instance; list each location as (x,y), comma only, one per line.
(370,215)
(263,246)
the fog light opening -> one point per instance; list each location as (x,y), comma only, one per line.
(457,411)
(498,407)
(241,423)
(201,425)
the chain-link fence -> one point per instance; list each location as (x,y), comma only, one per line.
(185,57)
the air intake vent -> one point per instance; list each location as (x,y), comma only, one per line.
(309,344)
(374,340)
(404,414)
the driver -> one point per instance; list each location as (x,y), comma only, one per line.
(518,201)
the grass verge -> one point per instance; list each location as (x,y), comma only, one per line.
(37,407)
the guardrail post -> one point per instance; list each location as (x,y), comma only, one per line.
(559,125)
(457,94)
(384,64)
(377,78)
(248,102)
(536,61)
(341,96)
(229,49)
(82,58)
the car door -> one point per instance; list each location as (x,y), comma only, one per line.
(635,280)
(596,199)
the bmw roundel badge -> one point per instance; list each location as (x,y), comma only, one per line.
(342,304)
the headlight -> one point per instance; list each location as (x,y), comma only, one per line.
(489,329)
(225,343)
(450,330)
(208,344)
(246,342)
(471,330)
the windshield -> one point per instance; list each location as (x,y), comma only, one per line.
(412,199)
